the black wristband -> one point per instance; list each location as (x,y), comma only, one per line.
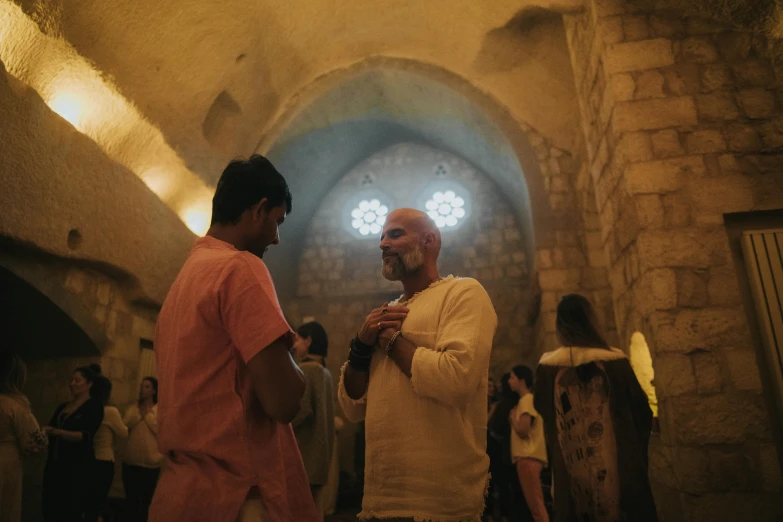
(361,348)
(360,355)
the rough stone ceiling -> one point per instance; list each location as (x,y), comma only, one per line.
(372,110)
(175,60)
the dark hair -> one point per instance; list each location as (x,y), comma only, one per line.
(13,373)
(524,373)
(496,393)
(89,372)
(498,423)
(577,324)
(243,184)
(319,342)
(101,389)
(505,389)
(154,383)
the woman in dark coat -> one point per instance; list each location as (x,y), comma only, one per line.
(71,458)
(597,423)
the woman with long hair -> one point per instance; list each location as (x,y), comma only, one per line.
(142,462)
(112,429)
(19,434)
(68,474)
(597,421)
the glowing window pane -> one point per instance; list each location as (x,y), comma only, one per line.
(368,216)
(445,207)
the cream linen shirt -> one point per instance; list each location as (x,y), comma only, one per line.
(426,436)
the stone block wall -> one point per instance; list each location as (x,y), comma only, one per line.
(682,123)
(569,255)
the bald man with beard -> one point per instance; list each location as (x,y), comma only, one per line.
(417,375)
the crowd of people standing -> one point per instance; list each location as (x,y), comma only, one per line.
(244,411)
(80,441)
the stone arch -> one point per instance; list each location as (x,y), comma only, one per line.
(309,123)
(34,292)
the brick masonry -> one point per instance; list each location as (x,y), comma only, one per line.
(682,123)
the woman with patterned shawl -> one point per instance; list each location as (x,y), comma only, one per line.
(597,423)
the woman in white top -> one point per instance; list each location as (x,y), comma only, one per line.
(112,429)
(528,447)
(19,435)
(141,465)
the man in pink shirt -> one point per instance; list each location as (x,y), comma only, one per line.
(228,385)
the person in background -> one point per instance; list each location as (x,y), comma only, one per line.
(314,424)
(528,448)
(597,421)
(70,463)
(493,450)
(500,461)
(142,461)
(20,434)
(112,429)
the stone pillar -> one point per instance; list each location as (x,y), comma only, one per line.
(682,123)
(569,253)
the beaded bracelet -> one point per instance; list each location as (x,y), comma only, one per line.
(390,344)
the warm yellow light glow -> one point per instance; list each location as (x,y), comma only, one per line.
(69,106)
(74,89)
(158,181)
(197,219)
(641,362)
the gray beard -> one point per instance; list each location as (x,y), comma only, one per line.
(398,268)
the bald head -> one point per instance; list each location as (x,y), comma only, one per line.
(415,222)
(410,242)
